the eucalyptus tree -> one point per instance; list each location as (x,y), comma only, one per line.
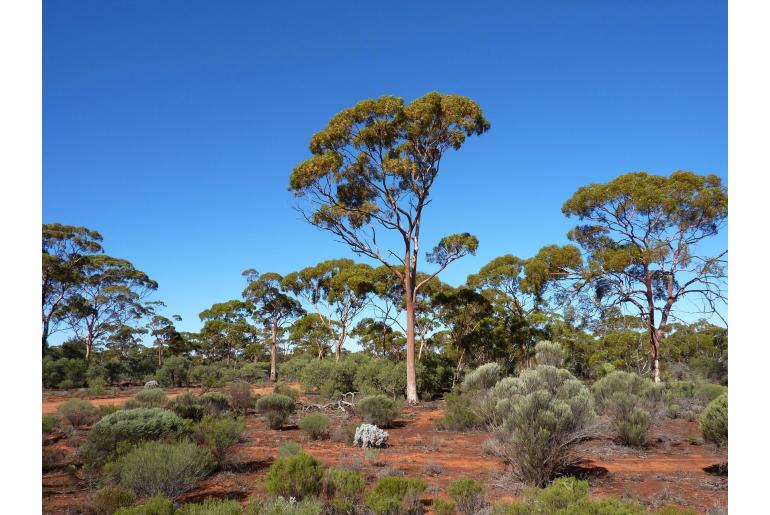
(165,334)
(111,293)
(270,306)
(640,249)
(66,251)
(311,333)
(372,169)
(338,289)
(226,329)
(380,339)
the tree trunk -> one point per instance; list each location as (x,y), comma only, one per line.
(273,355)
(338,348)
(411,375)
(655,364)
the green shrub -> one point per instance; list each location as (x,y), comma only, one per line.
(281,506)
(328,378)
(549,353)
(78,412)
(157,505)
(378,410)
(276,408)
(468,495)
(482,378)
(219,435)
(380,376)
(132,426)
(150,398)
(444,507)
(211,506)
(215,403)
(394,495)
(559,406)
(628,400)
(345,485)
(170,469)
(174,371)
(315,425)
(709,391)
(50,421)
(713,421)
(289,449)
(187,405)
(110,498)
(458,415)
(288,391)
(241,397)
(297,476)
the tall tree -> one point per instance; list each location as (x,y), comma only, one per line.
(379,339)
(372,168)
(226,328)
(312,333)
(338,290)
(271,306)
(66,251)
(165,334)
(640,249)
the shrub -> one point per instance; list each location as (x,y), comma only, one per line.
(713,421)
(241,397)
(315,425)
(378,410)
(219,435)
(345,485)
(381,376)
(482,378)
(276,409)
(170,469)
(468,495)
(288,391)
(150,398)
(628,400)
(215,403)
(78,412)
(289,449)
(110,498)
(444,507)
(345,432)
(549,353)
(50,421)
(458,415)
(297,476)
(187,405)
(328,378)
(157,505)
(211,506)
(558,406)
(132,426)
(281,506)
(396,496)
(174,371)
(368,435)
(709,391)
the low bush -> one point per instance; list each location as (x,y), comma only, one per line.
(549,353)
(381,376)
(241,397)
(345,485)
(174,371)
(211,506)
(281,506)
(215,403)
(157,505)
(709,391)
(170,469)
(111,498)
(289,449)
(150,398)
(458,415)
(345,432)
(187,405)
(368,436)
(276,408)
(297,476)
(315,425)
(378,410)
(559,406)
(329,378)
(482,378)
(50,421)
(396,495)
(219,435)
(288,391)
(630,402)
(713,421)
(468,495)
(78,412)
(444,507)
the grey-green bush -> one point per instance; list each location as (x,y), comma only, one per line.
(713,421)
(215,403)
(548,411)
(156,505)
(288,391)
(111,498)
(281,506)
(187,405)
(345,485)
(219,435)
(289,449)
(468,495)
(174,371)
(78,412)
(482,378)
(315,425)
(170,469)
(297,476)
(241,397)
(549,353)
(211,506)
(378,410)
(396,495)
(276,408)
(149,398)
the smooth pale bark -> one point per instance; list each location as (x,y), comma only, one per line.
(411,374)
(274,354)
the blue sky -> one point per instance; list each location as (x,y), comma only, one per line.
(172,127)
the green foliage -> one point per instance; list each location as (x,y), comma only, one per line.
(482,378)
(211,506)
(345,485)
(393,495)
(444,507)
(468,495)
(434,375)
(458,415)
(713,421)
(629,401)
(156,505)
(151,398)
(328,378)
(559,406)
(241,397)
(549,353)
(187,405)
(297,476)
(289,448)
(50,421)
(132,426)
(378,410)
(276,408)
(281,506)
(215,403)
(170,469)
(219,435)
(381,376)
(288,391)
(78,412)
(64,373)
(174,371)
(110,498)
(315,425)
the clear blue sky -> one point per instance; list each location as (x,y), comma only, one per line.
(172,127)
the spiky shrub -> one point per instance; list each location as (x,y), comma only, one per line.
(630,402)
(187,405)
(78,412)
(444,507)
(546,414)
(345,485)
(215,403)
(288,391)
(315,425)
(157,505)
(368,435)
(482,378)
(170,469)
(468,495)
(713,421)
(211,506)
(276,409)
(219,435)
(549,353)
(396,496)
(281,506)
(297,476)
(131,426)
(378,410)
(241,397)
(110,498)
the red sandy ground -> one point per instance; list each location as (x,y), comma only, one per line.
(668,472)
